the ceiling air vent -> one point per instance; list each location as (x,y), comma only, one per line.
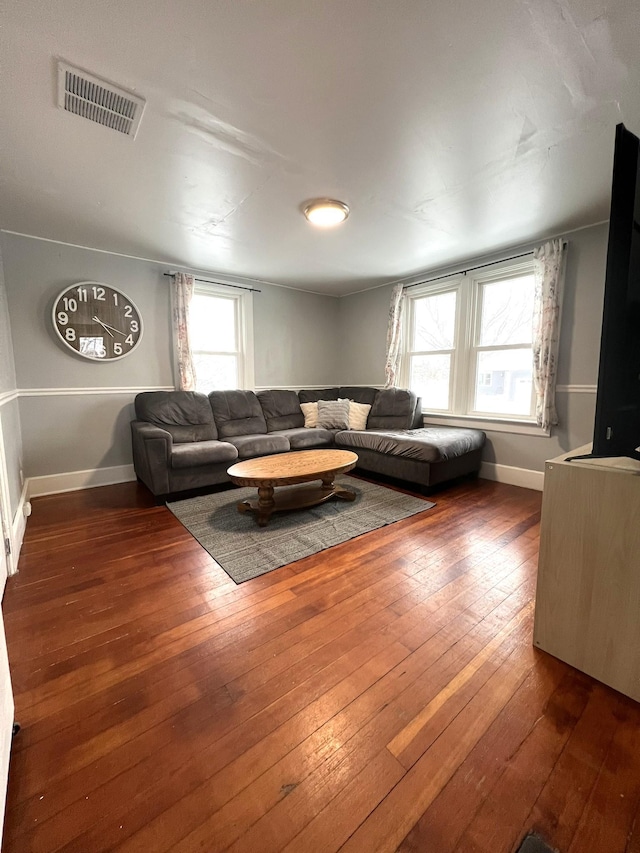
(98,100)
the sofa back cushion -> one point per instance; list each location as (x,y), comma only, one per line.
(281,409)
(315,395)
(237,413)
(393,408)
(359,394)
(185,414)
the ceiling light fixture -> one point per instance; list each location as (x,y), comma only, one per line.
(326,212)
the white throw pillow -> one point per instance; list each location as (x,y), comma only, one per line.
(310,412)
(358,414)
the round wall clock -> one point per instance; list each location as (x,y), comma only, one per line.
(97,321)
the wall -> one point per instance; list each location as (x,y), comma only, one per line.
(364,318)
(9,407)
(363,349)
(294,338)
(75,413)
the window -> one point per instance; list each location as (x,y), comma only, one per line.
(220,328)
(469,344)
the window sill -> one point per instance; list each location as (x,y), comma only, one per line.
(487,424)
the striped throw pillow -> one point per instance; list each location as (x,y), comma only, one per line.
(333,414)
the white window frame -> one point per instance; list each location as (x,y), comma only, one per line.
(466,346)
(243,314)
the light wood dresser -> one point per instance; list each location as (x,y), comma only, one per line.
(588,596)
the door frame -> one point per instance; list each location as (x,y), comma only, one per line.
(6,519)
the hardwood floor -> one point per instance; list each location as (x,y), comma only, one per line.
(382,695)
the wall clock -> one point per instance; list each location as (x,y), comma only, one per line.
(97,321)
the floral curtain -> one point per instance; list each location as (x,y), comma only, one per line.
(181,293)
(394,337)
(549,274)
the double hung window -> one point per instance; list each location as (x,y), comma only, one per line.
(469,344)
(220,330)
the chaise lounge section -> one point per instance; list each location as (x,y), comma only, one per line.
(185,440)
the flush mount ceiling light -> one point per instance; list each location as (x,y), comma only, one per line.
(326,212)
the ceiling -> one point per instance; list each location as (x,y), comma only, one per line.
(452,129)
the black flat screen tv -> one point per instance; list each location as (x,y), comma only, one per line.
(617,422)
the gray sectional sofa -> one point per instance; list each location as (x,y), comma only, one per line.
(184,440)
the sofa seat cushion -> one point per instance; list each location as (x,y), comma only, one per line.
(303,438)
(428,444)
(249,446)
(202,453)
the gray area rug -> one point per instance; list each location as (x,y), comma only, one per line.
(246,551)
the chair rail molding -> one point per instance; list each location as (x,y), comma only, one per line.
(576,389)
(312,387)
(71,392)
(8,396)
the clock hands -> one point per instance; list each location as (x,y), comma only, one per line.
(114,329)
(96,320)
(108,327)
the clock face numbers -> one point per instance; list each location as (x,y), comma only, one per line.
(97,321)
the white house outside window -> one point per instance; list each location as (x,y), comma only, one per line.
(220,328)
(469,344)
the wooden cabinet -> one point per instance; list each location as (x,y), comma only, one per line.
(588,595)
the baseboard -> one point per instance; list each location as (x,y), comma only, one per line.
(17,530)
(524,477)
(72,481)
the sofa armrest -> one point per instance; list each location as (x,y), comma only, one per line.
(152,448)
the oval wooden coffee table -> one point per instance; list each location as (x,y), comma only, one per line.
(290,469)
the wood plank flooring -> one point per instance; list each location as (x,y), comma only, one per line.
(383,695)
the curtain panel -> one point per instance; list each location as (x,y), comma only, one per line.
(549,265)
(181,294)
(394,337)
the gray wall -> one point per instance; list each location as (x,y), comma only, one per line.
(294,338)
(363,333)
(364,318)
(62,430)
(9,411)
(75,413)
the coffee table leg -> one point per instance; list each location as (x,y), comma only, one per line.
(327,482)
(263,507)
(266,504)
(337,490)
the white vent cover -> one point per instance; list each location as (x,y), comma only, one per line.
(98,100)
